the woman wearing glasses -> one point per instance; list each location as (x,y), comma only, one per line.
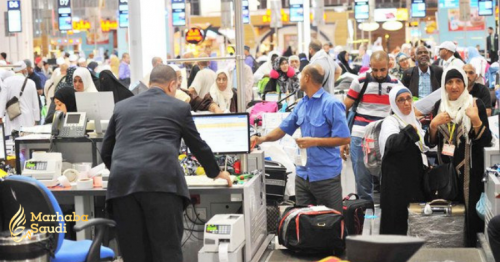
(460,130)
(403,161)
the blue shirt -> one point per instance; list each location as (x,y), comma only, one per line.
(123,71)
(322,115)
(424,83)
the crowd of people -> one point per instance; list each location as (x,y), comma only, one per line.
(381,86)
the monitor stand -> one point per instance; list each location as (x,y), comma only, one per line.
(97,129)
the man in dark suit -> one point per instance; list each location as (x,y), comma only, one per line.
(147,191)
(424,78)
(492,45)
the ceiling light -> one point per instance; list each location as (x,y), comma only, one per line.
(392,25)
(368,26)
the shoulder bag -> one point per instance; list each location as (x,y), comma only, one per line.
(354,108)
(13,105)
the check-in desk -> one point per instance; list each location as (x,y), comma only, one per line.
(252,194)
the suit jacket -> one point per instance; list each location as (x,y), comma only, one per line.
(141,145)
(488,43)
(411,78)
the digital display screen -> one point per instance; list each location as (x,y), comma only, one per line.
(123,13)
(178,12)
(65,19)
(296,11)
(361,10)
(418,8)
(246,12)
(218,229)
(225,133)
(72,119)
(14,16)
(485,7)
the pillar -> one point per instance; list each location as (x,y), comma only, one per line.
(147,35)
(18,46)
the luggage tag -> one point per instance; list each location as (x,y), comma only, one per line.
(448,150)
(424,160)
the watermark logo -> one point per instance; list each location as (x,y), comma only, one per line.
(16,226)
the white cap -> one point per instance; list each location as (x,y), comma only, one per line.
(176,68)
(81,60)
(73,58)
(448,45)
(19,66)
(60,61)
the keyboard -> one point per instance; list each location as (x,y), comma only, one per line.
(204,181)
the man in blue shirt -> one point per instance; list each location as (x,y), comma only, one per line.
(321,118)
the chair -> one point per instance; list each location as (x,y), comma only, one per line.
(34,197)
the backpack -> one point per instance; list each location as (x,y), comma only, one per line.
(255,65)
(372,157)
(354,213)
(262,84)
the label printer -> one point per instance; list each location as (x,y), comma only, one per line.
(224,238)
(45,167)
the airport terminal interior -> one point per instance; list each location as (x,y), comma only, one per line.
(249,131)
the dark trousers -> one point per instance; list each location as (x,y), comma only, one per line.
(494,237)
(493,56)
(149,226)
(325,192)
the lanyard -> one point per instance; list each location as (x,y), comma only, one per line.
(420,143)
(451,131)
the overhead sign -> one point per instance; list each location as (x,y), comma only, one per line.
(361,10)
(122,13)
(390,14)
(418,8)
(454,3)
(195,36)
(246,12)
(296,11)
(14,16)
(178,12)
(485,7)
(64,11)
(84,25)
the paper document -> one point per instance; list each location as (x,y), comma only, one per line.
(426,104)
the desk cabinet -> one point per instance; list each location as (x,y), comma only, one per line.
(74,150)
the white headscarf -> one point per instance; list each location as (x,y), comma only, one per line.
(456,109)
(222,98)
(394,123)
(88,83)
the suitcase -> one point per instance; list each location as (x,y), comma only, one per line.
(444,228)
(354,213)
(312,230)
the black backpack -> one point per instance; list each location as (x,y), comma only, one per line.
(354,213)
(255,65)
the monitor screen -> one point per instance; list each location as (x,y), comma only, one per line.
(225,133)
(418,9)
(73,118)
(485,7)
(361,10)
(97,105)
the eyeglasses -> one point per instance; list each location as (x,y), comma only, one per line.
(470,72)
(403,100)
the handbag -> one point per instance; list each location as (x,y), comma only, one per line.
(13,106)
(441,182)
(481,206)
(354,108)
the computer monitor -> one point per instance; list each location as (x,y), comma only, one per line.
(225,133)
(99,106)
(3,151)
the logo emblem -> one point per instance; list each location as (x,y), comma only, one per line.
(16,226)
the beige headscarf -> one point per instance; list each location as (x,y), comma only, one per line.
(222,98)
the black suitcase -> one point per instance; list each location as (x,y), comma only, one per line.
(275,181)
(354,213)
(312,230)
